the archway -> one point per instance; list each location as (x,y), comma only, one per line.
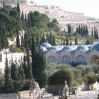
(65,60)
(80,59)
(95,59)
(51,59)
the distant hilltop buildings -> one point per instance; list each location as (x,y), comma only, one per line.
(63,17)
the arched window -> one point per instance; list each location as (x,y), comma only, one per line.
(65,60)
(80,59)
(51,59)
(95,59)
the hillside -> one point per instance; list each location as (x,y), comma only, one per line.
(63,17)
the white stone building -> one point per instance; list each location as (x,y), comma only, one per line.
(62,54)
(12,57)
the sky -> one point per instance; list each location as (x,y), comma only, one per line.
(88,7)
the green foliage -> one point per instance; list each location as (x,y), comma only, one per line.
(69,28)
(14,72)
(23,49)
(77,73)
(82,30)
(76,40)
(79,81)
(98,78)
(9,18)
(30,74)
(16,50)
(53,25)
(60,76)
(40,66)
(8,84)
(75,83)
(1,81)
(50,69)
(38,20)
(95,68)
(90,78)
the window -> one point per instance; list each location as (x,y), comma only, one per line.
(80,59)
(65,60)
(51,59)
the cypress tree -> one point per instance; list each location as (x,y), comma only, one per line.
(22,16)
(69,28)
(14,72)
(54,42)
(3,4)
(8,81)
(76,40)
(63,42)
(25,18)
(4,38)
(1,38)
(30,75)
(37,40)
(17,39)
(33,51)
(79,29)
(40,68)
(66,40)
(25,39)
(23,21)
(18,8)
(21,72)
(43,39)
(87,42)
(86,30)
(51,39)
(25,68)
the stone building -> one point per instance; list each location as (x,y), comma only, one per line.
(12,57)
(62,54)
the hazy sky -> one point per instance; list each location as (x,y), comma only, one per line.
(88,7)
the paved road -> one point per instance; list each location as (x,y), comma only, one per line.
(89,96)
(83,95)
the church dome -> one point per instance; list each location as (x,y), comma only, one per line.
(95,47)
(43,48)
(46,45)
(69,48)
(55,48)
(83,48)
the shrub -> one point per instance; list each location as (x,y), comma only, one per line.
(60,76)
(90,78)
(79,81)
(74,83)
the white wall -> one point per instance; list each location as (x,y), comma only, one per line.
(15,56)
(72,55)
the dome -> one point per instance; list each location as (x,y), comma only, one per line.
(95,47)
(61,47)
(46,45)
(55,48)
(75,46)
(43,48)
(69,48)
(83,48)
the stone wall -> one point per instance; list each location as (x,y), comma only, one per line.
(22,94)
(54,88)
